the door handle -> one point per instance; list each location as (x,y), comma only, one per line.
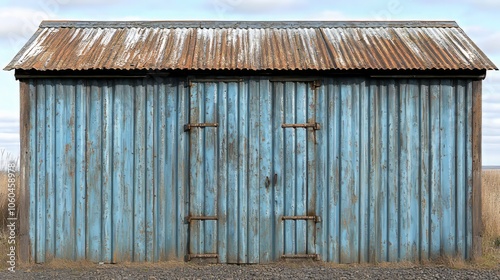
(275,179)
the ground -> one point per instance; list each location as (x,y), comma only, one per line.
(300,270)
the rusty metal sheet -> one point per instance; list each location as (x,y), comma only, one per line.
(60,45)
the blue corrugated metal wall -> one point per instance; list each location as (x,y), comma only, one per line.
(113,176)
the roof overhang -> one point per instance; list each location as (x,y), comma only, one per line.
(382,74)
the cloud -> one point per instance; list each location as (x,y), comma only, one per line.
(9,138)
(18,24)
(9,116)
(9,132)
(9,142)
(9,128)
(491,139)
(491,86)
(490,103)
(56,5)
(223,7)
(491,106)
(329,15)
(481,4)
(489,42)
(487,39)
(493,77)
(491,131)
(484,3)
(85,2)
(491,113)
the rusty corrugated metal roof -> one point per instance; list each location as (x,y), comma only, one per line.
(413,45)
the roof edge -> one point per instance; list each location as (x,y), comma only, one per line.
(493,66)
(245,24)
(13,62)
(402,73)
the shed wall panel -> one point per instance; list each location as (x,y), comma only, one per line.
(111,177)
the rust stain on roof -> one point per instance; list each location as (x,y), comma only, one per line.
(61,45)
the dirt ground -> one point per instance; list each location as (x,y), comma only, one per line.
(301,270)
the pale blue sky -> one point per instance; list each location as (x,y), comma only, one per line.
(479,18)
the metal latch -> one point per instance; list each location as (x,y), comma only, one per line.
(192,256)
(316,219)
(203,218)
(188,126)
(302,256)
(315,126)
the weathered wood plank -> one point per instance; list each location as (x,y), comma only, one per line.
(243,171)
(393,171)
(424,196)
(435,171)
(312,181)
(94,178)
(107,170)
(50,140)
(349,182)
(232,173)
(321,157)
(196,163)
(139,169)
(222,230)
(477,226)
(364,171)
(289,153)
(266,133)
(254,183)
(447,160)
(210,167)
(26,100)
(461,165)
(301,175)
(40,194)
(278,166)
(151,171)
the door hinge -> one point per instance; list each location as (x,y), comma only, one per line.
(315,126)
(201,218)
(316,219)
(188,126)
(315,84)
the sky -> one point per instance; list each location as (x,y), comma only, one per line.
(479,18)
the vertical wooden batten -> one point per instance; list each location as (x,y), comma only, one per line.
(477,226)
(23,245)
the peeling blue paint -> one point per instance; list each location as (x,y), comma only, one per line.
(114,176)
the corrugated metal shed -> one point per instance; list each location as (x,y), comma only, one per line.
(63,45)
(366,166)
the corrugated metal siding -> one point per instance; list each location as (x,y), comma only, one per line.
(258,46)
(107,155)
(113,175)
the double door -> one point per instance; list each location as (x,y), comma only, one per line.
(252,149)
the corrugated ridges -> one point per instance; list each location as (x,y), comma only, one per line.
(246,46)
